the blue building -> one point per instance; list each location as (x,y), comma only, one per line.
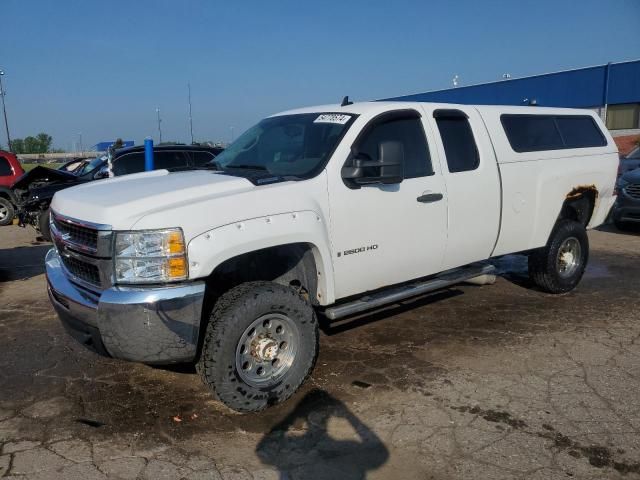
(613,90)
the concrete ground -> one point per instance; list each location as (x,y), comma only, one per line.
(499,381)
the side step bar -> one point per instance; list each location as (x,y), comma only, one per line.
(395,294)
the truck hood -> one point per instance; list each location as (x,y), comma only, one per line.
(121,201)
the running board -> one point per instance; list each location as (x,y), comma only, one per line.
(395,294)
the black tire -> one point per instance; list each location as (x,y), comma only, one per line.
(546,266)
(43,225)
(7,212)
(232,315)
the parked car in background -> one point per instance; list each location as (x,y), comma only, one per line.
(34,191)
(74,164)
(630,162)
(10,171)
(626,210)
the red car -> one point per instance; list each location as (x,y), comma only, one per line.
(10,171)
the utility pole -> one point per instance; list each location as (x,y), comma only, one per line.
(4,110)
(159,128)
(190,117)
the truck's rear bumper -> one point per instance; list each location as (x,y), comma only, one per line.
(144,324)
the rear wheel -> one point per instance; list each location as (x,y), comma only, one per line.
(260,345)
(559,266)
(7,212)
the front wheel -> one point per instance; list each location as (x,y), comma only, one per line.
(43,225)
(559,266)
(7,212)
(260,345)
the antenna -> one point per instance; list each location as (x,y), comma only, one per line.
(190,117)
(346,101)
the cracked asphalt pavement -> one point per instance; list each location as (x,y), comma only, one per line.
(499,381)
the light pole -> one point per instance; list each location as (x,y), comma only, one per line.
(4,110)
(159,128)
(80,143)
(231,128)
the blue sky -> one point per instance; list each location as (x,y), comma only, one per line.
(102,67)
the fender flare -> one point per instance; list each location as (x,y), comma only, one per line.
(212,248)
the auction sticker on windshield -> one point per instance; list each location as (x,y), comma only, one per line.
(332,118)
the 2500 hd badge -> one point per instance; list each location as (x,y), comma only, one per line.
(358,250)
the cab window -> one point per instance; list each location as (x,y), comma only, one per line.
(457,139)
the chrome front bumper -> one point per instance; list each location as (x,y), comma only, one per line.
(145,324)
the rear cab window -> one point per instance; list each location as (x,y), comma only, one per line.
(535,133)
(459,144)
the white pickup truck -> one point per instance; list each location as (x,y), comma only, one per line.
(329,210)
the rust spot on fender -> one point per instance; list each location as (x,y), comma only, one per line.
(580,190)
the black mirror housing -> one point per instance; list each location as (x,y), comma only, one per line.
(387,170)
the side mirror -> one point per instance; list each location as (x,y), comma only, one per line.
(388,169)
(102,173)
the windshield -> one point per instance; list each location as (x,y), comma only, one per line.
(287,145)
(91,165)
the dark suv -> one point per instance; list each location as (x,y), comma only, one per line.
(35,190)
(627,207)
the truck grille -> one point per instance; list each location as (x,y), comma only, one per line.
(84,249)
(633,190)
(82,270)
(77,235)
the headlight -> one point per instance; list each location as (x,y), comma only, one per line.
(150,256)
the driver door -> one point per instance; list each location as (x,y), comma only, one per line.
(388,234)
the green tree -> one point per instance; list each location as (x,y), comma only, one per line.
(41,143)
(18,145)
(44,142)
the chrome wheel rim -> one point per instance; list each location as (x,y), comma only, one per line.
(569,257)
(267,349)
(4,211)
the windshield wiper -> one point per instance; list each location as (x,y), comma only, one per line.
(248,167)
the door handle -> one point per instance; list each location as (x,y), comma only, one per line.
(430,197)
